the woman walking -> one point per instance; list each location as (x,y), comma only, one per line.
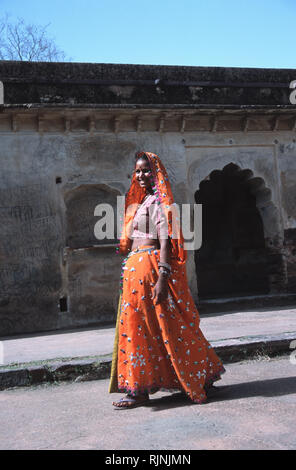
(158,342)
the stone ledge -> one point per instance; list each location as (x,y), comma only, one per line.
(237,349)
(107,71)
(245,303)
(45,82)
(54,371)
(79,370)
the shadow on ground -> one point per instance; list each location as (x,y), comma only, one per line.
(265,388)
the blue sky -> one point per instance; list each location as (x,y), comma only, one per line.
(228,33)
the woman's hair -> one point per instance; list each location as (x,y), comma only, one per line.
(141,156)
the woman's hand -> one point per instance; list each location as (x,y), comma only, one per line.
(161,290)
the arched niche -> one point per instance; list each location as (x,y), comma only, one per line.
(80,205)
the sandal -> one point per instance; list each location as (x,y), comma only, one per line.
(130,402)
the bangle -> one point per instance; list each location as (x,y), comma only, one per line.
(165,265)
(164,271)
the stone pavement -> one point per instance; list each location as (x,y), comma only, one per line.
(85,354)
(254,408)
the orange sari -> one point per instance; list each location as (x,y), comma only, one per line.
(159,347)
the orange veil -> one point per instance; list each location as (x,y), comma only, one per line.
(162,189)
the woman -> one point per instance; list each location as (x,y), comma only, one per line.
(158,342)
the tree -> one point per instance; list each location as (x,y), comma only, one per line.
(21,41)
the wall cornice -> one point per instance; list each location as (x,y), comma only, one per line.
(101,119)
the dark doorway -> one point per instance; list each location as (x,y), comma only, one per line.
(232,260)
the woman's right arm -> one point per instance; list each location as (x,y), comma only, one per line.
(161,289)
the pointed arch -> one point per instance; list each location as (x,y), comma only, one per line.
(239,254)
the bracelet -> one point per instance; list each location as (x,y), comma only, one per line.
(165,265)
(164,271)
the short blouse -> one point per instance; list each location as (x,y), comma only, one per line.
(149,220)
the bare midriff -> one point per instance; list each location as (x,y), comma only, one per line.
(145,241)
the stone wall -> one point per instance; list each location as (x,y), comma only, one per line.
(59,160)
(111,84)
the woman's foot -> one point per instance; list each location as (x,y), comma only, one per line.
(131,402)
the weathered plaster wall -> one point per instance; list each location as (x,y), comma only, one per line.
(50,185)
(41,216)
(68,134)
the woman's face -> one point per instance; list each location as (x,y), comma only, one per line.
(143,173)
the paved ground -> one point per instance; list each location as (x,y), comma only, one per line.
(99,341)
(254,409)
